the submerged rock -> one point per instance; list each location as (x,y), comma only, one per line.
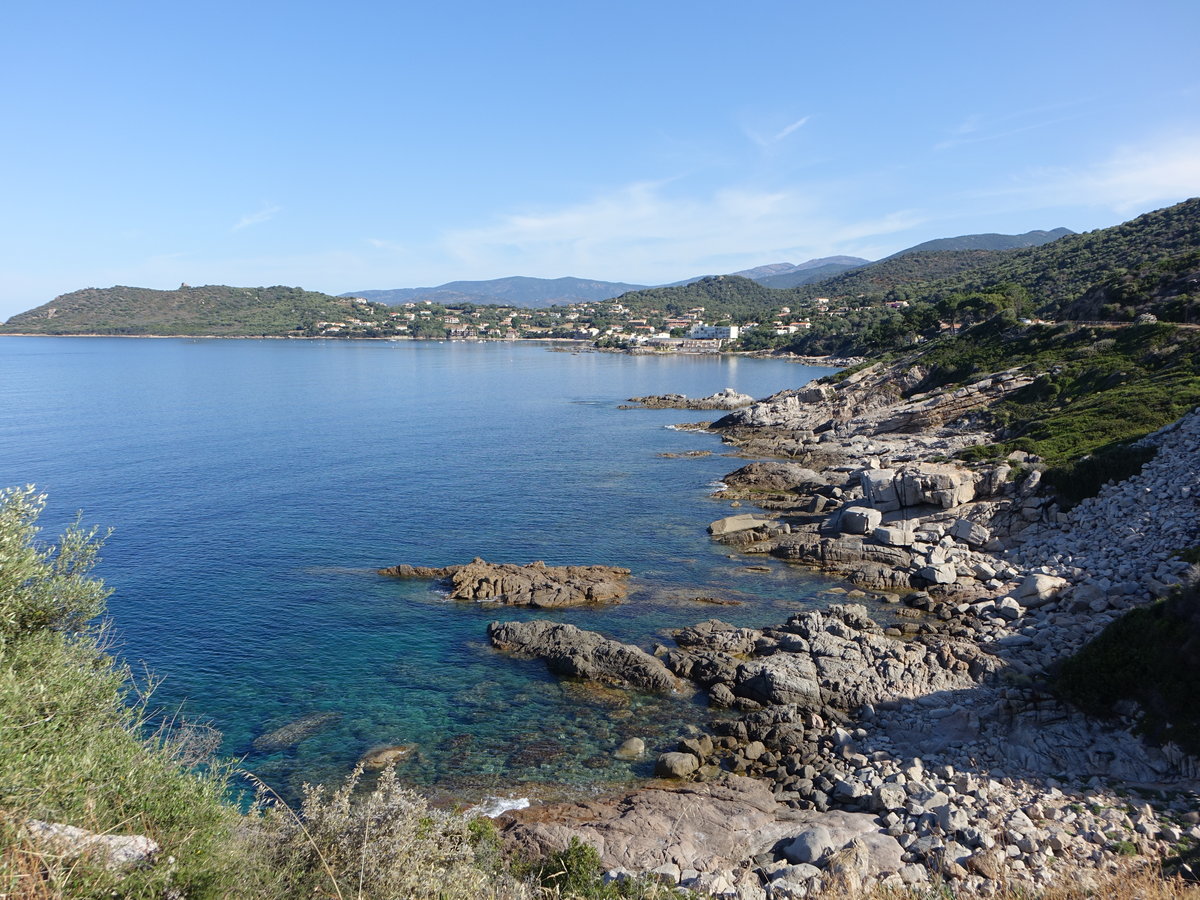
(536,584)
(568,650)
(294,732)
(382,757)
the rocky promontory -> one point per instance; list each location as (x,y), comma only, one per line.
(722,400)
(536,584)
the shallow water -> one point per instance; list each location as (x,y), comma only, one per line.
(254,486)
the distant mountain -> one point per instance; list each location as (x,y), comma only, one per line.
(786,275)
(206,310)
(518,290)
(812,271)
(988,242)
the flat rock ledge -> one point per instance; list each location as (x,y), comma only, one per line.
(571,651)
(536,584)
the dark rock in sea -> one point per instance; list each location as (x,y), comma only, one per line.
(568,650)
(537,584)
(294,732)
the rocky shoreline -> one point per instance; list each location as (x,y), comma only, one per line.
(923,746)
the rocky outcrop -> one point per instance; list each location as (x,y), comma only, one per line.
(726,399)
(774,476)
(827,662)
(537,584)
(568,650)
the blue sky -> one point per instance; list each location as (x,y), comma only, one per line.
(379,145)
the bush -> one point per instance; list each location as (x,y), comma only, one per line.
(386,843)
(1150,656)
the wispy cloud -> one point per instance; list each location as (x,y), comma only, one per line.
(978,128)
(266,213)
(1132,178)
(970,132)
(654,234)
(770,140)
(799,123)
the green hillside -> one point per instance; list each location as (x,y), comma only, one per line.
(207,310)
(722,296)
(989,241)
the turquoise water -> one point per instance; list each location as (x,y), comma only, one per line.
(254,486)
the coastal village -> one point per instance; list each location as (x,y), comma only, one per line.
(608,322)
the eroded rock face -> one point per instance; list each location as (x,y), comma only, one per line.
(568,650)
(536,584)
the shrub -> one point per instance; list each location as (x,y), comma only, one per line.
(1150,656)
(386,843)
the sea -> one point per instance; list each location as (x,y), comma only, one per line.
(254,487)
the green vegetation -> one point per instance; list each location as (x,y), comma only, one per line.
(209,310)
(722,296)
(1097,389)
(1148,660)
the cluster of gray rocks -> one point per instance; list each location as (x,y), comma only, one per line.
(923,747)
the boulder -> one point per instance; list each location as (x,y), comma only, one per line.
(894,535)
(537,584)
(879,488)
(859,520)
(942,573)
(719,637)
(1037,590)
(732,524)
(676,765)
(633,748)
(568,650)
(810,846)
(970,532)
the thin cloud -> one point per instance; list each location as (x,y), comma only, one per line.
(968,132)
(766,142)
(656,235)
(257,218)
(1131,179)
(799,123)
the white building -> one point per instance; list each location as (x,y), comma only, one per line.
(714,332)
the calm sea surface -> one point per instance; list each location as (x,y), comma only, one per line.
(254,486)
